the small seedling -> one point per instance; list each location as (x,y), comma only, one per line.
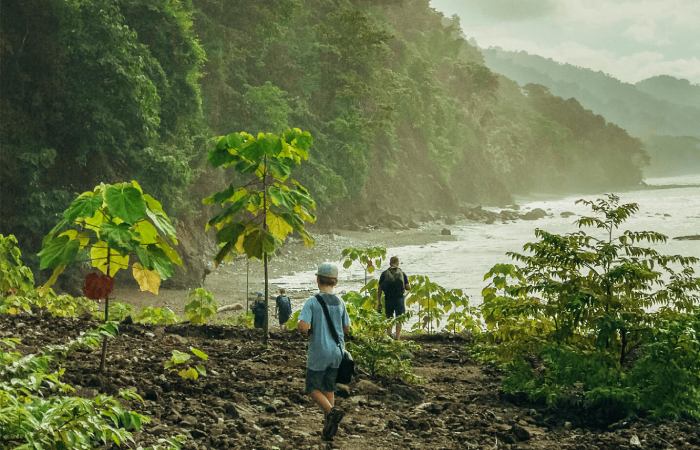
(181,363)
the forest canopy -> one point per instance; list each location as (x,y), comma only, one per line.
(393,94)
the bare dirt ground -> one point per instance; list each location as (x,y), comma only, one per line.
(253,396)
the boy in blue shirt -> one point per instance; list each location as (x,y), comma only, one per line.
(324,355)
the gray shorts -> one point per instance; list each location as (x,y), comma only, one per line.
(321,380)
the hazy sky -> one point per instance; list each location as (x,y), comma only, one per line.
(629,39)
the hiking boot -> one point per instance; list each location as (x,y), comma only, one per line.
(330,427)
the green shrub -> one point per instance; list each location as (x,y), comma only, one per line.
(435,304)
(37,410)
(180,362)
(597,323)
(201,306)
(57,305)
(16,304)
(67,305)
(15,277)
(152,315)
(667,374)
(119,311)
(372,347)
(609,404)
(293,321)
(242,319)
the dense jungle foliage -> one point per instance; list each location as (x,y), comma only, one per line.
(393,94)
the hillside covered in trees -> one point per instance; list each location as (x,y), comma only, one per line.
(404,113)
(663,111)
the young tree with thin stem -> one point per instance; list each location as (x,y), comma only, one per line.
(107,227)
(263,205)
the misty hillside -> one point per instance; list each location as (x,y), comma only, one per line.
(657,106)
(668,88)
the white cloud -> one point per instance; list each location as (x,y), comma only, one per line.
(629,39)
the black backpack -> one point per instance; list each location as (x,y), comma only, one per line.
(284,304)
(393,285)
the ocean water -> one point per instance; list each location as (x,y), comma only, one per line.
(462,263)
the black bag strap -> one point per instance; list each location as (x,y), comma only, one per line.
(331,327)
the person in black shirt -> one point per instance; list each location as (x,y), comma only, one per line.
(283,308)
(259,311)
(393,283)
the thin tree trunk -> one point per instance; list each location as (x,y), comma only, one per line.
(623,345)
(266,326)
(247,291)
(267,319)
(103,356)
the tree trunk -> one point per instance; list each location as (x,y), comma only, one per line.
(266,326)
(623,345)
(103,355)
(247,292)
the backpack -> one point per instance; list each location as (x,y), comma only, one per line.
(284,304)
(393,285)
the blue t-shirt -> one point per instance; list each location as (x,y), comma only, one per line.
(323,351)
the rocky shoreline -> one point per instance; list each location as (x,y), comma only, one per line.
(228,282)
(253,396)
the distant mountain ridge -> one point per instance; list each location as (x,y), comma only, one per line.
(666,87)
(661,105)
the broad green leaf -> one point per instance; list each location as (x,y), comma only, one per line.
(239,200)
(161,221)
(230,232)
(278,197)
(147,233)
(58,251)
(98,258)
(277,226)
(224,251)
(148,280)
(93,223)
(126,202)
(154,258)
(179,357)
(153,204)
(258,241)
(85,205)
(168,250)
(189,374)
(82,237)
(199,354)
(117,236)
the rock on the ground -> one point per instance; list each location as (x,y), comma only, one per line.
(693,237)
(366,387)
(537,213)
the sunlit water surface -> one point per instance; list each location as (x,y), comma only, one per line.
(462,263)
